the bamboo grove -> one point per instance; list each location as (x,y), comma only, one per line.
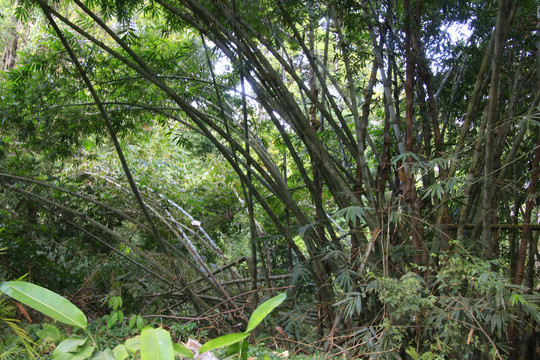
(368,144)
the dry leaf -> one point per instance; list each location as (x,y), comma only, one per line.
(470,336)
(24,312)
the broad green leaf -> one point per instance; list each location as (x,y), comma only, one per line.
(120,352)
(156,344)
(182,350)
(112,320)
(264,309)
(106,354)
(115,302)
(132,321)
(133,344)
(45,301)
(71,344)
(223,341)
(73,348)
(49,333)
(140,322)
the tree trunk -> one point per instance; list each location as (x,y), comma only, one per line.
(526,232)
(487,203)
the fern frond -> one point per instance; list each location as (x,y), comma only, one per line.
(23,337)
(11,352)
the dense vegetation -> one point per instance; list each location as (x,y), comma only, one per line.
(196,157)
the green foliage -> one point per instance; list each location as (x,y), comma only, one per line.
(28,247)
(235,341)
(351,303)
(468,308)
(353,214)
(179,123)
(136,321)
(48,335)
(117,315)
(12,347)
(152,344)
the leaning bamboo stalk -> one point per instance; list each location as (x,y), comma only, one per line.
(120,213)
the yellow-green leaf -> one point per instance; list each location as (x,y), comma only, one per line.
(264,309)
(223,341)
(45,301)
(182,350)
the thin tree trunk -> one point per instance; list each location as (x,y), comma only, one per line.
(474,101)
(526,233)
(487,203)
(409,189)
(471,182)
(324,292)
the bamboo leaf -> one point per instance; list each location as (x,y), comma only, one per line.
(352,213)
